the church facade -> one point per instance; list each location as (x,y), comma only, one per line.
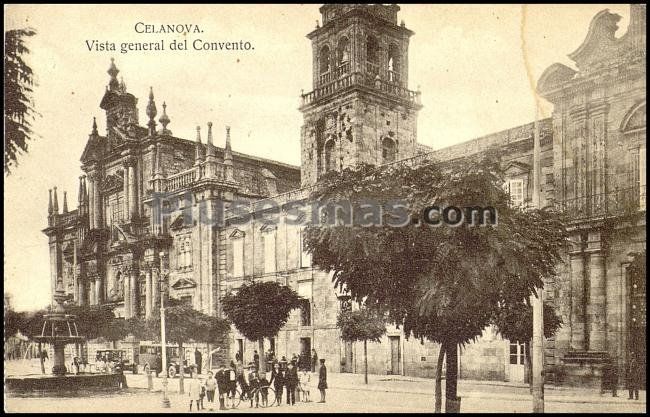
(153,206)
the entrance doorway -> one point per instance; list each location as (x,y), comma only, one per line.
(240,349)
(395,355)
(517,367)
(305,353)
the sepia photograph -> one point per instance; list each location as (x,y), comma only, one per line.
(325,208)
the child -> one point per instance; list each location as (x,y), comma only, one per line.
(303,385)
(253,385)
(264,389)
(194,392)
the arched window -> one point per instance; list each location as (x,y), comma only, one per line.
(393,63)
(388,150)
(343,51)
(372,50)
(330,163)
(324,59)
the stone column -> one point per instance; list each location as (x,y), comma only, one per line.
(132,191)
(132,295)
(149,294)
(92,293)
(127,294)
(125,191)
(577,302)
(91,205)
(155,284)
(98,290)
(597,306)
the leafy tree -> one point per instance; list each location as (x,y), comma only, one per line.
(442,283)
(19,110)
(361,325)
(515,323)
(14,321)
(259,310)
(184,324)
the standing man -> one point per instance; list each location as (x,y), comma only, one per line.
(159,365)
(119,370)
(314,360)
(322,380)
(198,360)
(256,360)
(292,383)
(222,385)
(633,378)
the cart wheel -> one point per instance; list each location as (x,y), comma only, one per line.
(172,371)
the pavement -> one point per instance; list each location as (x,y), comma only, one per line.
(348,393)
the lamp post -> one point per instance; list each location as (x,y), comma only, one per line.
(161,281)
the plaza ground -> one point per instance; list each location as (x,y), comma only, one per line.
(348,393)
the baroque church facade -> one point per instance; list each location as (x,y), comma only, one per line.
(152,205)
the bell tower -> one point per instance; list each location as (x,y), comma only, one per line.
(360,109)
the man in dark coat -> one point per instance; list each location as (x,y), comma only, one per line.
(198,360)
(292,383)
(159,365)
(278,379)
(634,378)
(222,377)
(256,360)
(609,379)
(322,380)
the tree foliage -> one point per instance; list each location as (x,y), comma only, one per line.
(19,110)
(260,309)
(184,324)
(360,325)
(515,322)
(443,283)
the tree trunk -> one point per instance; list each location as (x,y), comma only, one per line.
(209,358)
(181,376)
(452,404)
(260,346)
(40,358)
(438,396)
(365,360)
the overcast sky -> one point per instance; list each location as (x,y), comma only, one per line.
(468,60)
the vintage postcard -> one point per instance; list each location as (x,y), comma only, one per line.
(325,208)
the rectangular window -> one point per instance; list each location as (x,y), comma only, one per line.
(305,257)
(238,257)
(517,353)
(516,190)
(305,312)
(269,252)
(114,208)
(187,300)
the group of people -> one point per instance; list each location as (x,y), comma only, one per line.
(254,385)
(633,378)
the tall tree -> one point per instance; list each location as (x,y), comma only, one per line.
(259,310)
(19,110)
(183,324)
(442,283)
(361,325)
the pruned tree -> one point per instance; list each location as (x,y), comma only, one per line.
(184,324)
(259,310)
(19,109)
(363,325)
(442,283)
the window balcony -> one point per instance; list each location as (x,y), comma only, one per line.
(619,202)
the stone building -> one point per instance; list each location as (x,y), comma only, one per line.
(150,201)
